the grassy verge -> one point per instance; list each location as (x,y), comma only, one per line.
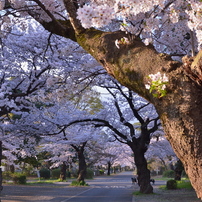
(76,183)
(180,185)
(49,181)
(166,178)
(184,185)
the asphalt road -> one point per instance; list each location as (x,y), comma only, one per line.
(117,188)
(106,189)
(103,195)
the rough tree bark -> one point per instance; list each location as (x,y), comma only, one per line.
(180,110)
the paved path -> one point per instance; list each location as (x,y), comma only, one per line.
(117,188)
(103,195)
(120,180)
(105,188)
(41,193)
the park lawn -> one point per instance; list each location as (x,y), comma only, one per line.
(183,184)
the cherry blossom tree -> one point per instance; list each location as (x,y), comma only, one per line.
(70,142)
(133,40)
(48,121)
(15,148)
(60,155)
(118,117)
(115,154)
(160,150)
(125,106)
(29,77)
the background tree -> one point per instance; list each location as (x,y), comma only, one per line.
(68,143)
(115,154)
(179,168)
(124,109)
(161,151)
(28,76)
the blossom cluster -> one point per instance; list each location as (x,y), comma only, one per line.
(95,16)
(157,84)
(158,22)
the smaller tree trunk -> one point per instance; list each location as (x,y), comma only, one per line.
(12,168)
(63,172)
(82,167)
(108,168)
(143,173)
(114,170)
(178,170)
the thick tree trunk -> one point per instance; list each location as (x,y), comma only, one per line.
(143,173)
(82,161)
(82,167)
(180,113)
(108,168)
(63,172)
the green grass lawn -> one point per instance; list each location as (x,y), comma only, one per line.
(180,185)
(168,178)
(184,185)
(42,181)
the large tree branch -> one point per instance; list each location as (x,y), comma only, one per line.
(129,99)
(132,106)
(156,125)
(98,123)
(130,65)
(123,121)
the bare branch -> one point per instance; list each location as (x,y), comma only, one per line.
(101,123)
